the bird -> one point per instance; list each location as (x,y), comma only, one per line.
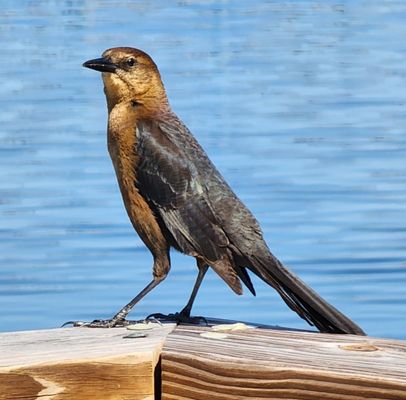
(176,199)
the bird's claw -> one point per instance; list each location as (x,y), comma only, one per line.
(179,318)
(99,323)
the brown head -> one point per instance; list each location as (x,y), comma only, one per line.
(130,75)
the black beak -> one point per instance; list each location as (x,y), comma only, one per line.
(101,64)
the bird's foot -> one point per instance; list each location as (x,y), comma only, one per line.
(179,318)
(99,323)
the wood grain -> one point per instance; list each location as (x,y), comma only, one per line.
(82,363)
(79,364)
(275,364)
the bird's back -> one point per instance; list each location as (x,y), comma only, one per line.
(232,215)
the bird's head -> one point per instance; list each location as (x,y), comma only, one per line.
(129,75)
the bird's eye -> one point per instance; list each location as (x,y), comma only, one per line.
(130,61)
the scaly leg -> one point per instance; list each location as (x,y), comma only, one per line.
(161,270)
(184,315)
(202,272)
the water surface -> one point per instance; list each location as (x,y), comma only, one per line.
(300,104)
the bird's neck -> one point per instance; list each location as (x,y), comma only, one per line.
(142,100)
(127,112)
(150,104)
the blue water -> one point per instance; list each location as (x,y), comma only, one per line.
(300,104)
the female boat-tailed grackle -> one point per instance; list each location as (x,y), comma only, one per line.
(175,197)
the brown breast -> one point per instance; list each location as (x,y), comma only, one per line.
(122,140)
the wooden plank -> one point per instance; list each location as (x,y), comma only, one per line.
(279,364)
(79,363)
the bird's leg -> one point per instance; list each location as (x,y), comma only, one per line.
(184,315)
(121,315)
(161,270)
(202,272)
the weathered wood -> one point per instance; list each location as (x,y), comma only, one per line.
(82,363)
(79,364)
(279,364)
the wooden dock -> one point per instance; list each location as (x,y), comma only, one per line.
(195,362)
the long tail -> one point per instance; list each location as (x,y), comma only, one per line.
(300,297)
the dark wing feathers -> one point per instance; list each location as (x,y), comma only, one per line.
(173,186)
(162,170)
(207,220)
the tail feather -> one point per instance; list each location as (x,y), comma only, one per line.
(301,298)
